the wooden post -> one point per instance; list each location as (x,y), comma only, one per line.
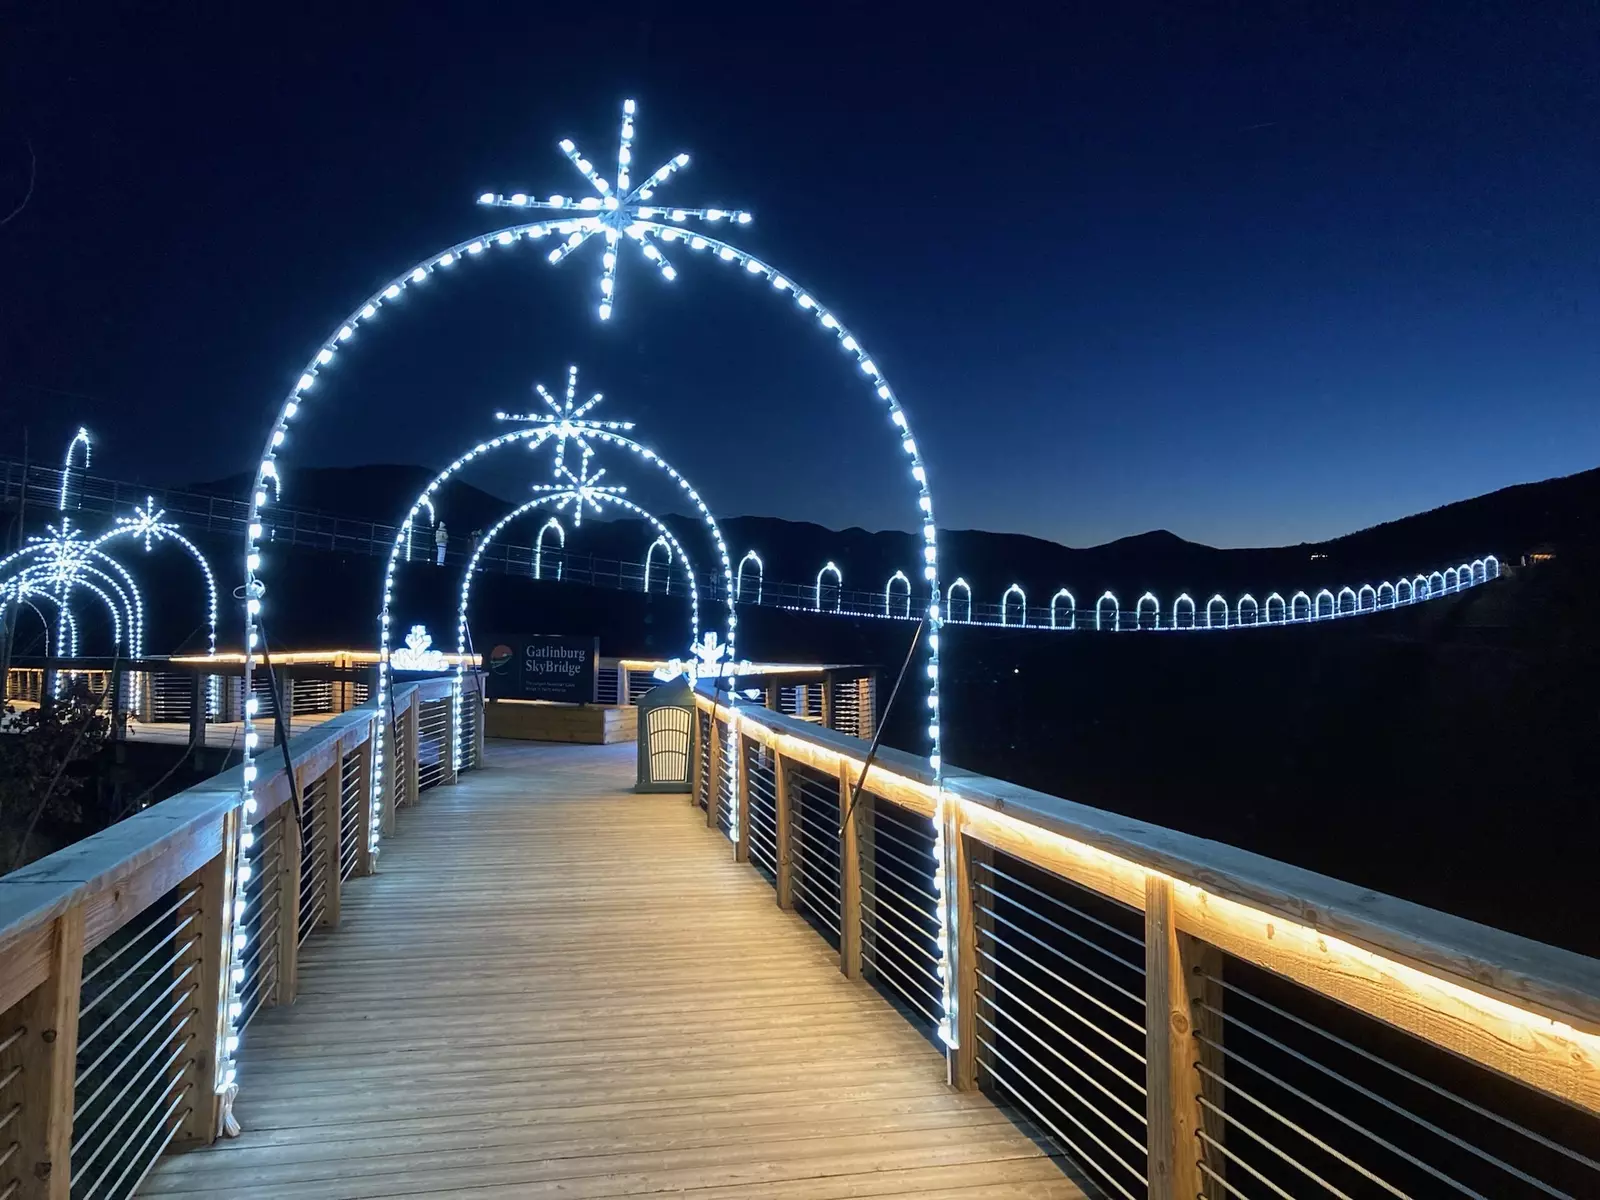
(960,875)
(47,1052)
(364,796)
(695,740)
(451,733)
(714,790)
(1172,1111)
(774,695)
(785,823)
(287,985)
(849,877)
(741,851)
(197,716)
(206,962)
(827,701)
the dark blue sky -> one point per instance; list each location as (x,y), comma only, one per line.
(1245,273)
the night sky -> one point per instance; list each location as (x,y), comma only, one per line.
(1253,278)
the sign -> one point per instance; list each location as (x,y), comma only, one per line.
(543,666)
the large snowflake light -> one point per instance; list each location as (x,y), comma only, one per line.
(616,212)
(580,489)
(567,420)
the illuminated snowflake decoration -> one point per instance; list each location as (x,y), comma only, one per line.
(146,523)
(616,212)
(418,654)
(580,489)
(67,555)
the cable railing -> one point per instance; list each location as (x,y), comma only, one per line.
(115,952)
(1177,1018)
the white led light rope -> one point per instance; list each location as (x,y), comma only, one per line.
(649,560)
(749,557)
(666,539)
(538,547)
(838,579)
(1005,600)
(888,592)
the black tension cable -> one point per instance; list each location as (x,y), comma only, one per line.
(877,733)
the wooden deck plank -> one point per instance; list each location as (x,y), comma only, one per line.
(555,987)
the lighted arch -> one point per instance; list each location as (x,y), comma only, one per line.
(535,436)
(433,522)
(950,601)
(527,506)
(750,556)
(1283,609)
(1464,575)
(1155,611)
(1436,589)
(27,589)
(1255,610)
(1072,609)
(1491,567)
(649,558)
(1177,622)
(551,526)
(62,567)
(26,601)
(79,439)
(1022,604)
(1419,588)
(1211,607)
(430,268)
(1366,598)
(889,592)
(838,580)
(1382,587)
(1333,605)
(1403,597)
(1294,607)
(167,532)
(1116,612)
(1451,582)
(1479,572)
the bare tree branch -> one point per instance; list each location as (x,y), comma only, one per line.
(33,175)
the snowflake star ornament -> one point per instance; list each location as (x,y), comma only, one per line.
(580,489)
(146,522)
(617,212)
(67,553)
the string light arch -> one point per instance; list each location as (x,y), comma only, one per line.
(553,525)
(829,568)
(644,229)
(750,556)
(662,544)
(890,591)
(1072,609)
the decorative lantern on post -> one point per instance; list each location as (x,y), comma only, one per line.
(666,736)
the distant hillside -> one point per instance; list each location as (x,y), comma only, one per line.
(1563,512)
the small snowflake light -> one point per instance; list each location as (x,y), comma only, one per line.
(566,420)
(65,553)
(146,523)
(580,489)
(616,212)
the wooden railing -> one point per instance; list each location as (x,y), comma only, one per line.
(1179,1017)
(114,952)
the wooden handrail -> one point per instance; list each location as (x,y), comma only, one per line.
(1523,1008)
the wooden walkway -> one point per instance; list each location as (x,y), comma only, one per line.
(556,987)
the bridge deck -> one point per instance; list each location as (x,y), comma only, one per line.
(557,987)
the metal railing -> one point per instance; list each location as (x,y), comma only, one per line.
(323,531)
(114,952)
(1179,1018)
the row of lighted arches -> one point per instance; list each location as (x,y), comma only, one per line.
(1218,614)
(1147,613)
